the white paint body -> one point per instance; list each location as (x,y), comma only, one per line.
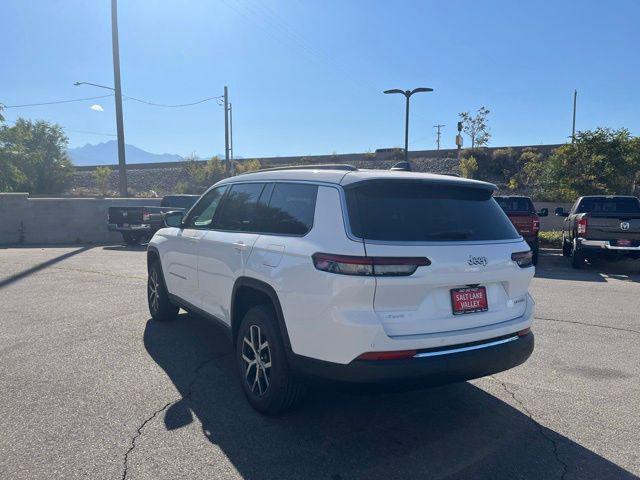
(335,317)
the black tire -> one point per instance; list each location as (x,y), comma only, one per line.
(577,258)
(566,248)
(268,384)
(160,307)
(132,238)
(534,258)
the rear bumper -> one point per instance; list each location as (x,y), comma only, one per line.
(604,245)
(113,227)
(429,367)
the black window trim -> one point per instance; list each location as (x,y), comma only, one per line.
(188,212)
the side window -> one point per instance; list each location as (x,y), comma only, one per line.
(202,214)
(239,209)
(290,210)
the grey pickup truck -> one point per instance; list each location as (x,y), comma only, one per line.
(137,224)
(599,226)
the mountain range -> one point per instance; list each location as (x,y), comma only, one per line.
(106,153)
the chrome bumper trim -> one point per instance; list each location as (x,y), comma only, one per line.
(465,349)
(604,244)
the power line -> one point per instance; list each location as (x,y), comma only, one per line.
(56,102)
(172,106)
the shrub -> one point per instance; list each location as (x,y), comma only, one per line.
(468,167)
(551,239)
(101,176)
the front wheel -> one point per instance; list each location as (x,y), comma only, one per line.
(566,247)
(160,307)
(266,379)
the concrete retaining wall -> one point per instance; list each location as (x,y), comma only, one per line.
(84,220)
(59,220)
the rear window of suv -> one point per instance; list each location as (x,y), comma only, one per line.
(515,204)
(422,211)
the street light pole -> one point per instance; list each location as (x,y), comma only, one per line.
(407,95)
(122,166)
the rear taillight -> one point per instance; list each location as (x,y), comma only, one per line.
(535,225)
(368,266)
(145,216)
(582,225)
(524,333)
(523,259)
(398,355)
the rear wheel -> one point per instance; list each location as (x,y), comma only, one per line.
(577,257)
(566,247)
(268,384)
(160,307)
(132,238)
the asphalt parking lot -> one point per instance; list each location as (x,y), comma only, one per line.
(91,388)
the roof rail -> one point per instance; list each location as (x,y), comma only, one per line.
(327,166)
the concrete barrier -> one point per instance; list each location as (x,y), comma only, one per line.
(26,220)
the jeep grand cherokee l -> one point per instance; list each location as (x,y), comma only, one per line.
(350,275)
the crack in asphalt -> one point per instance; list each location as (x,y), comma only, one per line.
(621,329)
(187,396)
(548,438)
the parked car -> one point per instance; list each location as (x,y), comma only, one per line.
(350,275)
(524,217)
(138,224)
(601,226)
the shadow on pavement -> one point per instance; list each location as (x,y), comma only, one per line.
(458,431)
(554,266)
(126,248)
(41,266)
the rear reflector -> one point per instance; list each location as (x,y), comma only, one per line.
(368,266)
(399,355)
(524,332)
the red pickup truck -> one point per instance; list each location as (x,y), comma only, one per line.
(524,217)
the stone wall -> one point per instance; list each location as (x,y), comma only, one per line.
(25,220)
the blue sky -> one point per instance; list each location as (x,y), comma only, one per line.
(305,77)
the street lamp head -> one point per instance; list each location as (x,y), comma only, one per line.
(421,89)
(77,83)
(395,90)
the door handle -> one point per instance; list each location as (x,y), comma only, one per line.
(240,246)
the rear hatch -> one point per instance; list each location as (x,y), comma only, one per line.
(468,241)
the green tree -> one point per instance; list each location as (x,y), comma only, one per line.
(468,166)
(601,162)
(101,175)
(38,150)
(476,127)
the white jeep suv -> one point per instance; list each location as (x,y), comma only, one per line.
(352,275)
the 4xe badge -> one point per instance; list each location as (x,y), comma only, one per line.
(477,261)
(624,225)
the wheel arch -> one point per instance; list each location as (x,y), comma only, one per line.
(248,292)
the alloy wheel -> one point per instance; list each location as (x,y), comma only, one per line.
(154,290)
(256,356)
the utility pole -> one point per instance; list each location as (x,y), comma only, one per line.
(231,131)
(438,137)
(573,129)
(122,165)
(226,131)
(459,140)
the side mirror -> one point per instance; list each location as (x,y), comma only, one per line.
(560,212)
(173,219)
(544,212)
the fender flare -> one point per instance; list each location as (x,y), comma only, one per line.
(271,293)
